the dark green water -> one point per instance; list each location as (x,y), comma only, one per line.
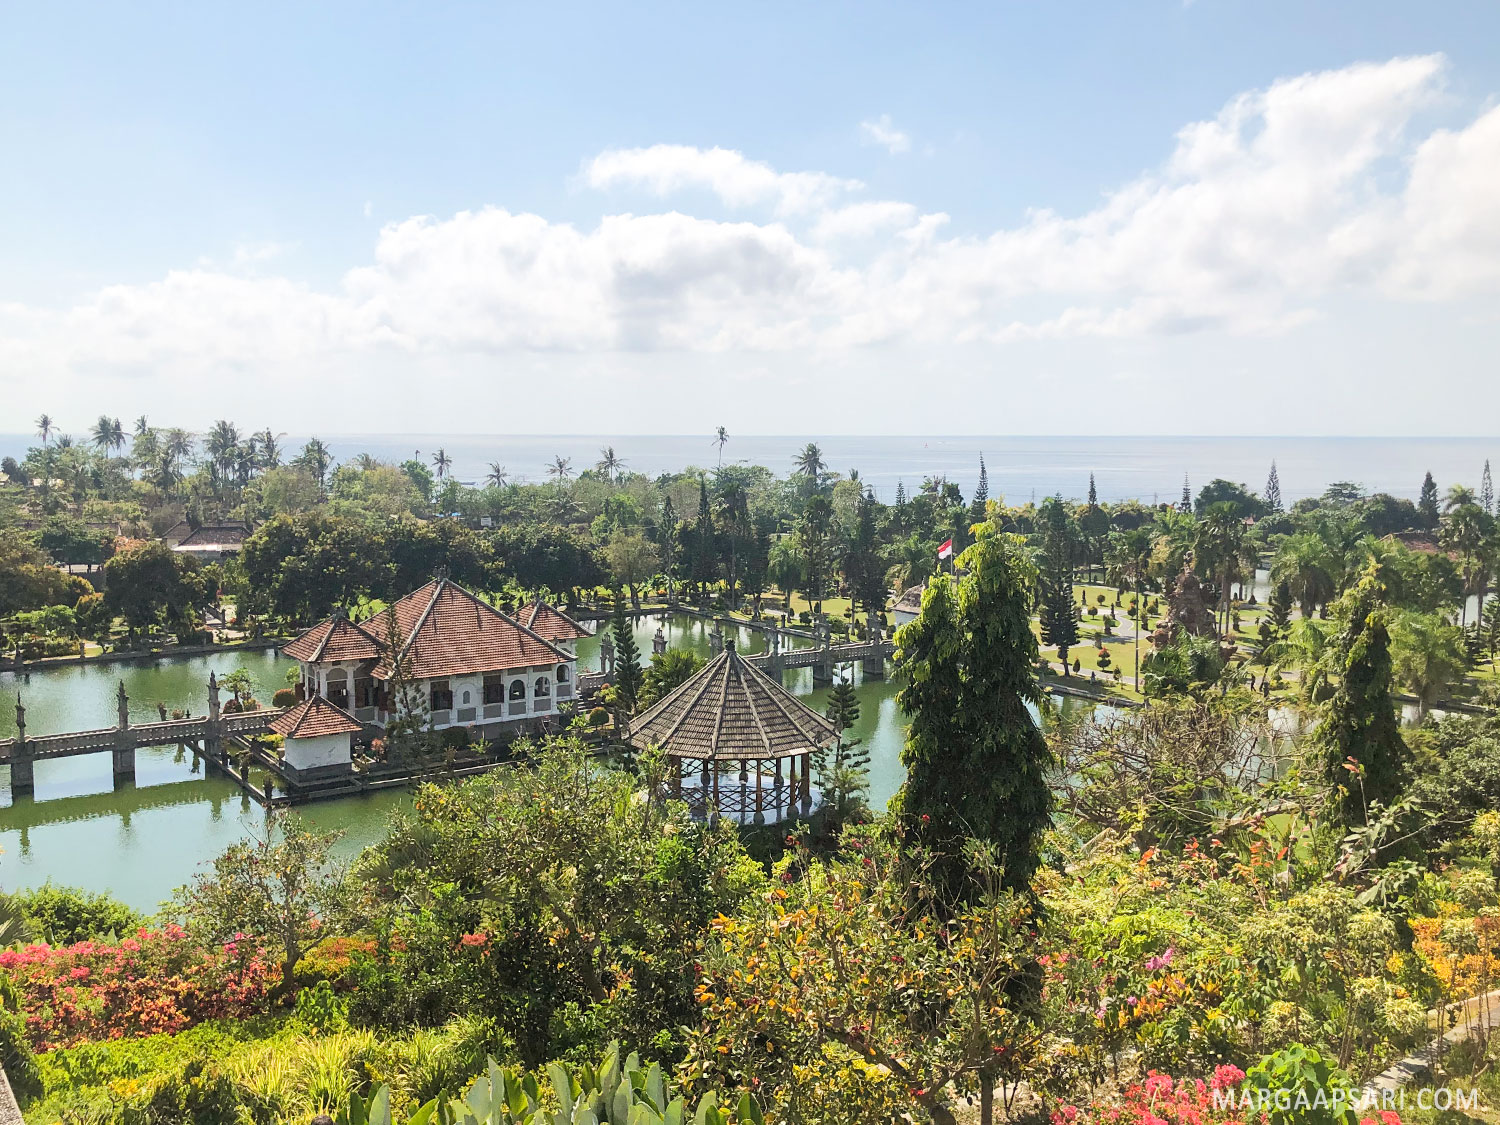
(141,841)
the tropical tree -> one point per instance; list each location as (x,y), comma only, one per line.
(609,463)
(1128,561)
(44,428)
(1427,657)
(442,463)
(721,438)
(628,675)
(497,475)
(107,434)
(1221,533)
(843,770)
(1358,739)
(976,762)
(560,469)
(1307,566)
(317,459)
(278,886)
(632,560)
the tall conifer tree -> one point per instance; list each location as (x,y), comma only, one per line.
(1427,502)
(628,674)
(1487,490)
(1359,727)
(976,762)
(1186,503)
(1273,491)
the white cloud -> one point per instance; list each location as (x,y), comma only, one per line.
(1290,201)
(881,131)
(739,182)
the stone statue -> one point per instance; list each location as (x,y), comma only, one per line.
(213,696)
(20,720)
(1187,609)
(606,655)
(658,642)
(122,702)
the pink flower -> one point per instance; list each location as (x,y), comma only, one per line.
(474,939)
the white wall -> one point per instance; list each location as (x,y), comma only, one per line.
(311,753)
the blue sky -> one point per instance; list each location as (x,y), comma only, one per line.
(227,199)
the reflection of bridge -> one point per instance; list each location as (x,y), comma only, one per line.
(206,735)
(122,803)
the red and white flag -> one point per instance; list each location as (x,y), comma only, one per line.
(946,550)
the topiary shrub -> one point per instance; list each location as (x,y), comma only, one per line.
(285,697)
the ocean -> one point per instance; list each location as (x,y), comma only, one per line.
(1020,468)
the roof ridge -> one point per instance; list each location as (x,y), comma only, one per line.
(713,743)
(437,592)
(323,644)
(686,711)
(760,726)
(776,698)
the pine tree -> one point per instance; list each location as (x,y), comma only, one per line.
(667,541)
(1359,738)
(628,674)
(982,489)
(1059,617)
(1093,494)
(1273,491)
(1186,503)
(1487,490)
(1281,607)
(843,769)
(898,513)
(1427,502)
(976,762)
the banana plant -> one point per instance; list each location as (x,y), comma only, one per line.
(610,1094)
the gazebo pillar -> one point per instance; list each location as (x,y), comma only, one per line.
(677,778)
(806,785)
(760,806)
(791,790)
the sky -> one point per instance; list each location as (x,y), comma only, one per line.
(1208,218)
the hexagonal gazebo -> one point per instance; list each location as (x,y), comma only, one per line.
(732,719)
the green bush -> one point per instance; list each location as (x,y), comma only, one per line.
(65,915)
(284,697)
(455,738)
(15,1049)
(598,717)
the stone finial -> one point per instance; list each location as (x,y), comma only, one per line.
(213,696)
(20,719)
(659,642)
(122,704)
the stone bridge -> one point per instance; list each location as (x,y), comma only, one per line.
(206,734)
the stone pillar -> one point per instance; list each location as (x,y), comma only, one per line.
(775,660)
(22,766)
(791,783)
(658,642)
(823,669)
(873,666)
(213,735)
(606,654)
(123,754)
(715,640)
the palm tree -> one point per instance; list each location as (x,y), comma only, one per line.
(810,462)
(44,427)
(609,464)
(721,438)
(270,449)
(1129,556)
(560,469)
(316,458)
(1459,496)
(497,475)
(141,425)
(107,434)
(1221,532)
(1427,657)
(442,462)
(222,447)
(1467,530)
(1305,563)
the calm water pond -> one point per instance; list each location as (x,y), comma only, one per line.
(141,841)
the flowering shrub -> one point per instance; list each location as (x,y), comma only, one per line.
(157,981)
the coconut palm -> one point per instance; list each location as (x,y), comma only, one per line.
(141,425)
(442,463)
(44,428)
(1468,531)
(609,464)
(1127,560)
(107,434)
(1221,533)
(268,445)
(721,438)
(1306,647)
(810,462)
(497,475)
(222,447)
(560,469)
(1306,564)
(1459,496)
(1427,657)
(316,459)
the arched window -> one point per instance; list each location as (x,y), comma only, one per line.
(518,689)
(466,699)
(562,673)
(543,686)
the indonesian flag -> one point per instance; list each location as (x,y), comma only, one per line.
(946,550)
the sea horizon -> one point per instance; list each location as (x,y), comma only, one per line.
(1020,468)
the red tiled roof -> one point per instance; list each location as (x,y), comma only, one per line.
(550,623)
(449,632)
(313,718)
(335,639)
(216,535)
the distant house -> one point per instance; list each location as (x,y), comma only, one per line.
(209,543)
(469,664)
(908,607)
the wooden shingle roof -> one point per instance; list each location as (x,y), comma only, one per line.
(335,639)
(731,709)
(551,623)
(315,717)
(447,631)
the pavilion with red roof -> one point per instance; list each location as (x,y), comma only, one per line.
(467,663)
